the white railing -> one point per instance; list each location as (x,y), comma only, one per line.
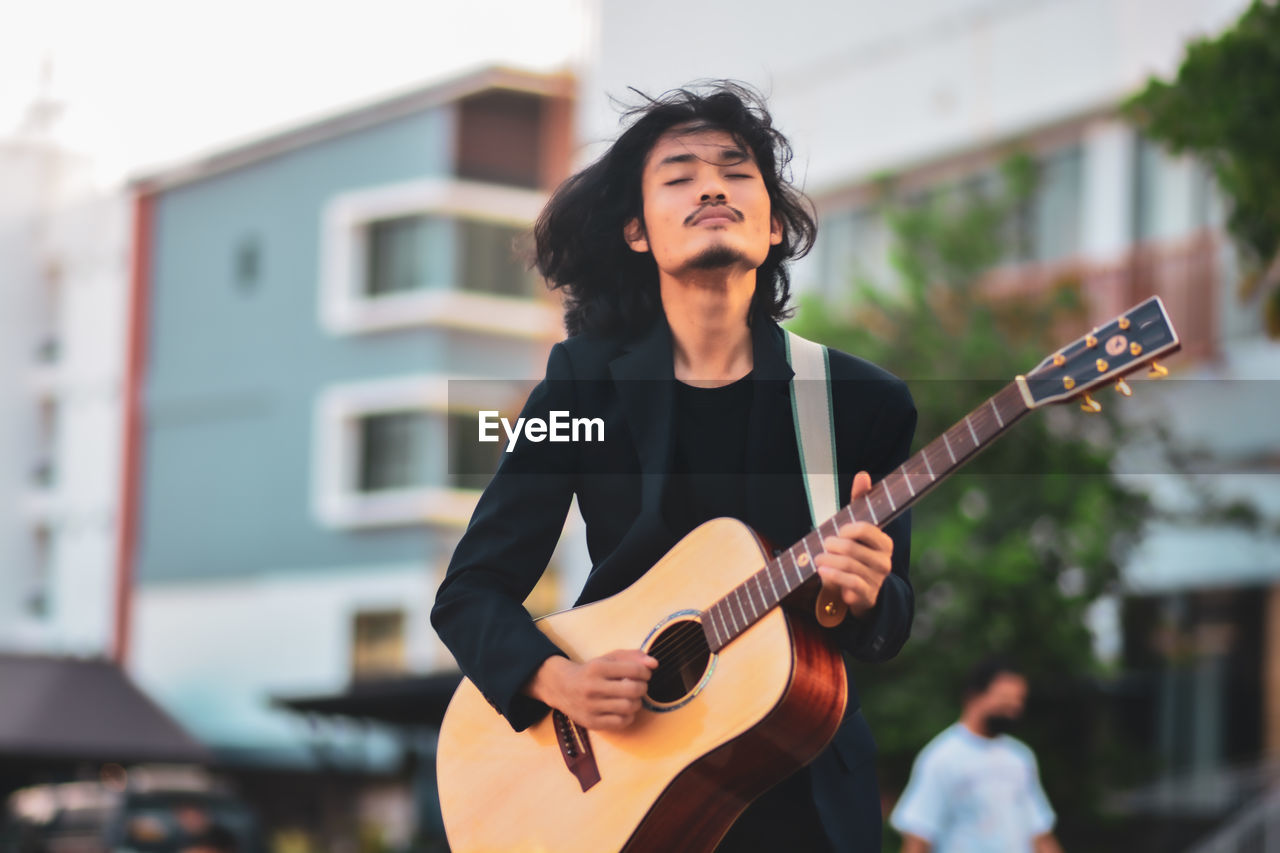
(1254,829)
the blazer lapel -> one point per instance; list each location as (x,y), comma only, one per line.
(644,376)
(776,503)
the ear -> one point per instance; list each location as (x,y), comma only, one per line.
(775,231)
(633,233)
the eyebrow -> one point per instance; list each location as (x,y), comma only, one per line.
(729,157)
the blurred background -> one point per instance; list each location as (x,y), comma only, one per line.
(257,277)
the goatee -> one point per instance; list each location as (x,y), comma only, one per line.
(715,258)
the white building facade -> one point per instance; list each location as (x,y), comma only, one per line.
(64,265)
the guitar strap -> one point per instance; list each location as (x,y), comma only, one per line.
(811,410)
(814,417)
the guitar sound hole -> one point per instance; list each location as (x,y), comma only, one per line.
(683,656)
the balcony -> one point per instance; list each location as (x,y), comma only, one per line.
(1185,273)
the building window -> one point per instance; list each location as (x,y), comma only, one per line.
(489,263)
(854,249)
(1055,208)
(411,253)
(433,252)
(394,449)
(378,644)
(856,245)
(1172,195)
(36,599)
(400,452)
(247,264)
(472,463)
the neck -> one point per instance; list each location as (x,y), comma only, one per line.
(707,313)
(975,722)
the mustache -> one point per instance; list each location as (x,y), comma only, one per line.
(704,210)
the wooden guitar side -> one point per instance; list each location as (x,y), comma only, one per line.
(675,779)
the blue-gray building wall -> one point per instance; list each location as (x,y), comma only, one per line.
(233,373)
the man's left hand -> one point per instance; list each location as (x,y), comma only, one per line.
(857,561)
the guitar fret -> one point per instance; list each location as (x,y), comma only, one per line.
(719,611)
(732,616)
(772,586)
(805,543)
(907,476)
(924,454)
(889,494)
(871,509)
(950,452)
(969,424)
(996,409)
(737,596)
(760,590)
(795,565)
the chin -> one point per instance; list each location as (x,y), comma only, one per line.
(719,257)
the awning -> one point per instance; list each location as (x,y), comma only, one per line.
(418,700)
(77,709)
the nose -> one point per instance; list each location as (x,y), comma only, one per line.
(712,186)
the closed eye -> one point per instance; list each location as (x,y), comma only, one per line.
(677,181)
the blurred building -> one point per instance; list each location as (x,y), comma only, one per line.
(937,94)
(63,264)
(320,315)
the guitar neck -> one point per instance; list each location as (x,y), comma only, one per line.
(887,500)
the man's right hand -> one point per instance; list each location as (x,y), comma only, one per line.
(602,693)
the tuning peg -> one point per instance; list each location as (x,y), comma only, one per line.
(1158,371)
(1090,405)
(1123,388)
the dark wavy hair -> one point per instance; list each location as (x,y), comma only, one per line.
(579,245)
(984,672)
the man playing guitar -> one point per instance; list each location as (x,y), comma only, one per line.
(671,250)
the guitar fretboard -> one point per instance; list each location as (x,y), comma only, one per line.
(888,499)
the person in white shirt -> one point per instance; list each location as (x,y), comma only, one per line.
(974,788)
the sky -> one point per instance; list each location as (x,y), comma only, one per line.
(145,83)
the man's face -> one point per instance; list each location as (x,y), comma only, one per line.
(705,205)
(1005,696)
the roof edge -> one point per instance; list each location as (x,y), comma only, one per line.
(351,119)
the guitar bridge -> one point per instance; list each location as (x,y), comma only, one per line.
(575,749)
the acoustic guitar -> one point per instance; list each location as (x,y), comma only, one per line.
(745,692)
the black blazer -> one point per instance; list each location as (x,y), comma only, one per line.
(619,484)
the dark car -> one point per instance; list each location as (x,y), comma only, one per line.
(88,817)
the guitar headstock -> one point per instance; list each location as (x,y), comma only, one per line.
(1108,353)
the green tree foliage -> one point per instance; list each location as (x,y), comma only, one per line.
(1007,555)
(1224,107)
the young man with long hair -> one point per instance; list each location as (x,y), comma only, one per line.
(671,250)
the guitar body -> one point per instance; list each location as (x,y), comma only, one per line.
(716,731)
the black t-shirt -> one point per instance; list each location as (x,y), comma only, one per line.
(708,476)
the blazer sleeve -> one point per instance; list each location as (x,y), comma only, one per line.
(880,633)
(478,611)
